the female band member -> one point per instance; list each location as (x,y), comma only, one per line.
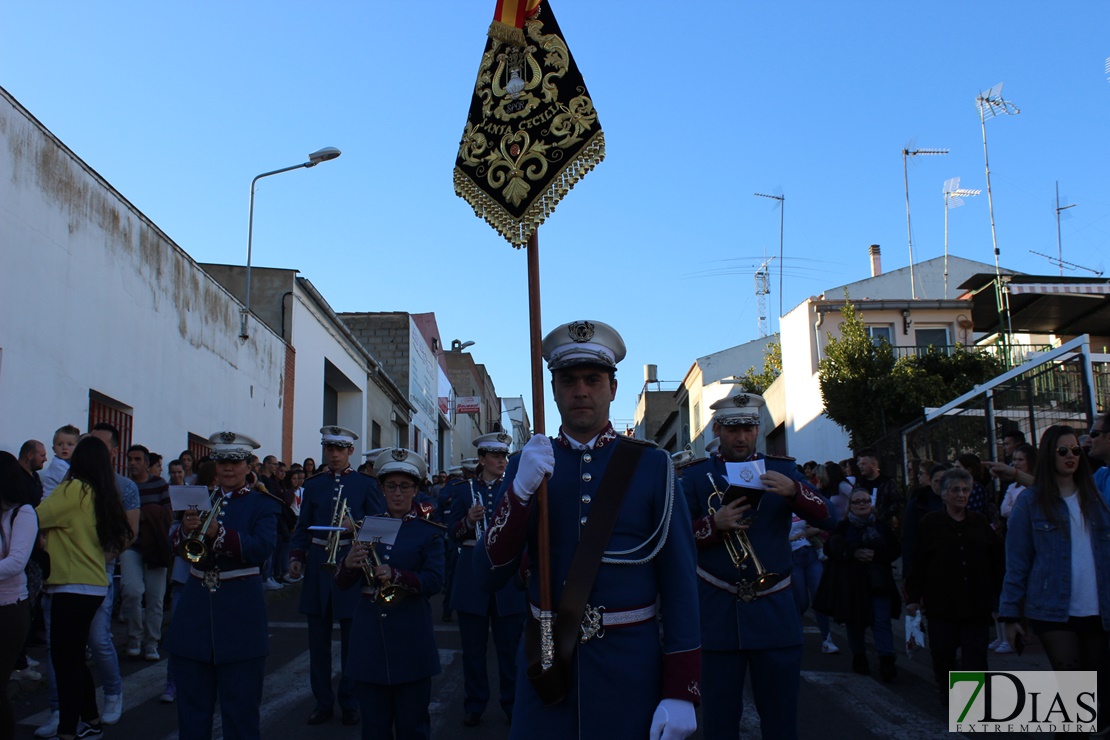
(393,653)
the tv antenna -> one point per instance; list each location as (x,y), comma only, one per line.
(908,152)
(1059,208)
(953,198)
(782,215)
(991,104)
(762,288)
(1069,265)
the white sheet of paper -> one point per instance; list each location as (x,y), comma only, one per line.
(381,529)
(183,498)
(746,474)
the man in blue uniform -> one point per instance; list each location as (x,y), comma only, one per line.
(622,680)
(452,488)
(218,640)
(481,612)
(749,620)
(321,600)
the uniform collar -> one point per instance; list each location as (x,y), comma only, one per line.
(754,456)
(345,471)
(607,436)
(237,493)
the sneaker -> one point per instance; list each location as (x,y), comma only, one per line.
(169,694)
(994,643)
(50,728)
(31,662)
(134,651)
(829,647)
(84,729)
(271,585)
(1003,648)
(290,579)
(151,654)
(27,674)
(113,709)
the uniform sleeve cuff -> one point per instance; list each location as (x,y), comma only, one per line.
(346,577)
(227,542)
(508,529)
(407,579)
(808,504)
(705,531)
(682,676)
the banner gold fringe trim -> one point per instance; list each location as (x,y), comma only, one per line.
(505,33)
(518,231)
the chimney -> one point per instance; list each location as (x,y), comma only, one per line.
(876,261)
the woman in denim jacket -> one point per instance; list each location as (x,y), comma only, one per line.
(1058,560)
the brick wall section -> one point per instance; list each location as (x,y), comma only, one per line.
(386,337)
(287,404)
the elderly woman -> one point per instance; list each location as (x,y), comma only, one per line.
(954,576)
(1058,561)
(393,653)
(218,640)
(858,587)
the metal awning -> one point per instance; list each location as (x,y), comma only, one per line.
(1041,304)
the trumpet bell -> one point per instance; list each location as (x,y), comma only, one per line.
(195,550)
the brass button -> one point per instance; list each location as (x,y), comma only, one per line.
(587,477)
(586,499)
(587,458)
(582,520)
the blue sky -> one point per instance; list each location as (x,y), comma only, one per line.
(179,105)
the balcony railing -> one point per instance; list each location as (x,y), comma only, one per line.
(1011,355)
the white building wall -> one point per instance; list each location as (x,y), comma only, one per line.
(317,340)
(97,297)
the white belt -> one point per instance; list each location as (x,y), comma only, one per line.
(731,587)
(227,575)
(616,618)
(468,543)
(325,543)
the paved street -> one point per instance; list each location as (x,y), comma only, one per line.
(835,702)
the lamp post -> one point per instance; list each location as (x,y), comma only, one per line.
(321,155)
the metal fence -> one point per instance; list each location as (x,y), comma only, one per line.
(1067,385)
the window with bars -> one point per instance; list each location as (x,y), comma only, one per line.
(105,409)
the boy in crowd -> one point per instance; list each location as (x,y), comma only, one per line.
(65,439)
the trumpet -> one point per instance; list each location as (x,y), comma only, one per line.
(387,593)
(339,513)
(740,550)
(476,500)
(194,548)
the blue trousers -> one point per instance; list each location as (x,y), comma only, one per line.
(775,684)
(803,581)
(239,688)
(399,711)
(474,632)
(319,661)
(880,629)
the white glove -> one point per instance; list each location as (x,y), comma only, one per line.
(536,460)
(673,720)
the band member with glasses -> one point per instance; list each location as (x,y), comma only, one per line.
(481,613)
(218,640)
(393,653)
(749,618)
(321,600)
(1058,561)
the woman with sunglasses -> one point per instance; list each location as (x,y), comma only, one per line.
(1058,561)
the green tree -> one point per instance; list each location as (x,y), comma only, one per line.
(871,393)
(772,368)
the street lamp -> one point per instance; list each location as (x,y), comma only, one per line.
(318,156)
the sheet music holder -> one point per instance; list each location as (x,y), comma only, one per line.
(379,530)
(184,498)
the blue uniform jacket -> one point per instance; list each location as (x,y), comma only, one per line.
(364,498)
(1038,561)
(617,680)
(451,490)
(229,624)
(467,595)
(771,621)
(395,643)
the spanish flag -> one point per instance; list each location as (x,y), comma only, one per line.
(532,132)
